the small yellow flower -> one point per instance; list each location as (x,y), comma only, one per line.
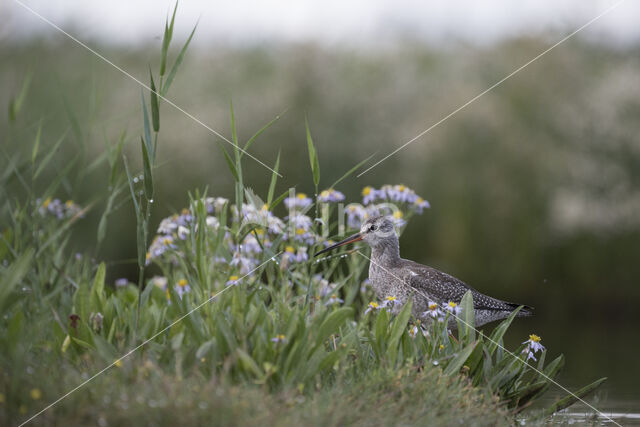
(366,191)
(534,338)
(290,249)
(35,393)
(118,363)
(182,283)
(441,347)
(397,214)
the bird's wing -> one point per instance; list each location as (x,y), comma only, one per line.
(443,287)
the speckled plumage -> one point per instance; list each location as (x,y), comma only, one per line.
(392,276)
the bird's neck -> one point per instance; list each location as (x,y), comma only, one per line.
(386,252)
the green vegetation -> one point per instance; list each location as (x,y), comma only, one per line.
(240,325)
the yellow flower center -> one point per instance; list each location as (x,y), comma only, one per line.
(441,347)
(148,255)
(233,278)
(419,200)
(182,283)
(265,207)
(401,187)
(280,337)
(325,193)
(534,338)
(68,203)
(373,304)
(391,298)
(397,214)
(433,306)
(35,393)
(366,191)
(290,249)
(47,202)
(185,211)
(302,196)
(452,304)
(118,363)
(300,231)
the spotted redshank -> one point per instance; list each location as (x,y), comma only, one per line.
(399,279)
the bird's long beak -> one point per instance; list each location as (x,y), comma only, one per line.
(355,238)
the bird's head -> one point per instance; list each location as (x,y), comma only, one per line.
(374,231)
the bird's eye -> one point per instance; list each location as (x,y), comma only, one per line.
(373,227)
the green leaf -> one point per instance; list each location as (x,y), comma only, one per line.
(569,400)
(278,200)
(230,164)
(248,363)
(456,363)
(262,129)
(176,65)
(13,275)
(147,129)
(36,144)
(332,323)
(313,157)
(148,174)
(466,321)
(397,329)
(15,104)
(351,171)
(166,40)
(52,151)
(97,290)
(274,178)
(155,112)
(500,330)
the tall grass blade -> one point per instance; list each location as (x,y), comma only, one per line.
(313,156)
(176,65)
(155,112)
(147,171)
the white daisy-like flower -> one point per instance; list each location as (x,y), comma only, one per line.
(373,306)
(452,308)
(334,300)
(433,310)
(330,196)
(533,346)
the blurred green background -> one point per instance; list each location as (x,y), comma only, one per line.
(533,188)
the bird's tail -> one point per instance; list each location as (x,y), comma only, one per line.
(525,311)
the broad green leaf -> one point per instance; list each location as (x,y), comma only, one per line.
(398,327)
(456,363)
(97,290)
(466,321)
(500,330)
(332,323)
